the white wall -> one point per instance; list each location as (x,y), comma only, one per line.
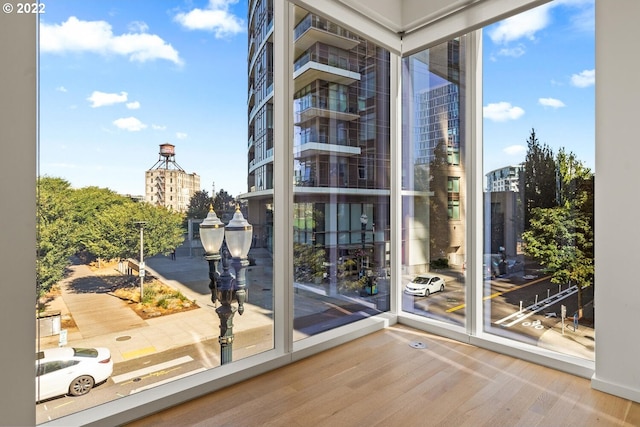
(617,293)
(17,215)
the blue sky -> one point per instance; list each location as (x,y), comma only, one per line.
(539,72)
(120,77)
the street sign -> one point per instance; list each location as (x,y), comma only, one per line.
(563,311)
(62,340)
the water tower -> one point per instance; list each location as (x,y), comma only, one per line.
(167,159)
(167,184)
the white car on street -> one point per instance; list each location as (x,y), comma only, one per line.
(68,370)
(424,284)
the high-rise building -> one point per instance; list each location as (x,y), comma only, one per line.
(341,145)
(167,184)
(506,178)
(435,191)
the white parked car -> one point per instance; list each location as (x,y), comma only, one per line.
(424,284)
(74,371)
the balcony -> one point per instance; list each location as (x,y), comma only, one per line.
(251,97)
(255,164)
(314,106)
(314,29)
(310,68)
(312,149)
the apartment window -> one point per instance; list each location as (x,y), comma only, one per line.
(453,198)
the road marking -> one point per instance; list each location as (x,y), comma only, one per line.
(497,294)
(177,377)
(149,369)
(137,353)
(535,308)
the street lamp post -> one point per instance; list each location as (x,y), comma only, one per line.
(141,266)
(363,223)
(229,246)
(372,288)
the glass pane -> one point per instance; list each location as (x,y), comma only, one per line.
(539,151)
(341,176)
(141,130)
(433,182)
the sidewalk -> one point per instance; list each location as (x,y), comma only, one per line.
(580,343)
(103,320)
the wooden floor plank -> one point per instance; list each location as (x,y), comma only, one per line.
(379,380)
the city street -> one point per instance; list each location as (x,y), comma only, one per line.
(147,353)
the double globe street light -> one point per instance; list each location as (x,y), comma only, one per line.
(228,245)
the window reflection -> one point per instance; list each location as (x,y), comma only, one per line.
(433,180)
(341,176)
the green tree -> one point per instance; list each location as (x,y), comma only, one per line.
(199,205)
(56,240)
(539,177)
(308,262)
(116,232)
(561,239)
(89,204)
(223,202)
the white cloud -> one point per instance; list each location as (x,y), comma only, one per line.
(584,79)
(515,150)
(100,99)
(158,127)
(133,105)
(75,35)
(138,27)
(181,135)
(523,25)
(215,18)
(129,123)
(514,52)
(551,102)
(501,112)
(61,89)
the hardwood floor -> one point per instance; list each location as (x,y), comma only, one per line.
(380,380)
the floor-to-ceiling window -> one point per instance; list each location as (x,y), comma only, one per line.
(535,283)
(341,155)
(538,80)
(142,133)
(434,215)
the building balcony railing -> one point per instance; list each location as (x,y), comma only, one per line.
(311,106)
(314,148)
(314,28)
(251,96)
(311,67)
(255,163)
